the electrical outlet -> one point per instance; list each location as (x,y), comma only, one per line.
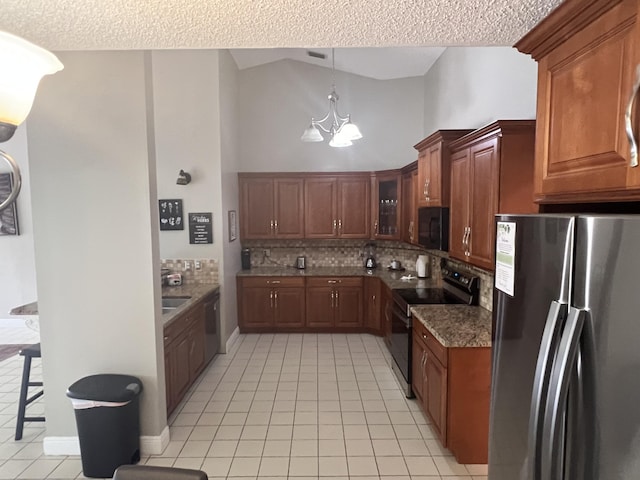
(187,265)
(266,252)
(197,265)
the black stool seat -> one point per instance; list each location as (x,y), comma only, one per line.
(32,351)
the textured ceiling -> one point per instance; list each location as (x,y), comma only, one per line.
(157,24)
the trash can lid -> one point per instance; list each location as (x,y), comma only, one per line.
(106,387)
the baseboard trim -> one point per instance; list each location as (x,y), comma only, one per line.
(149,445)
(154,445)
(233,338)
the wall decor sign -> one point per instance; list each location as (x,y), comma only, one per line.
(9,216)
(171,214)
(200,228)
(233,226)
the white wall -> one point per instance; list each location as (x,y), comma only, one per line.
(17,263)
(470,87)
(230,201)
(187,118)
(95,217)
(277,101)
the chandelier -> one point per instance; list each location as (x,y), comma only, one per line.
(339,128)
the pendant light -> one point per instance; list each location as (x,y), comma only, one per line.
(340,129)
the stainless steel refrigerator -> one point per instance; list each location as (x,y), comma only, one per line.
(565,395)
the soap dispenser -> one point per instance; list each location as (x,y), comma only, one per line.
(422,266)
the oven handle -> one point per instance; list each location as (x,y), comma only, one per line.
(397,312)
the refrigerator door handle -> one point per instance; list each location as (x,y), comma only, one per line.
(554,422)
(548,347)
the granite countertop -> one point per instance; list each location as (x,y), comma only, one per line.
(456,325)
(196,292)
(393,279)
(28,309)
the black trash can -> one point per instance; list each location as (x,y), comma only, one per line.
(107,412)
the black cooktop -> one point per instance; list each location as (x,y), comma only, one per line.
(426,296)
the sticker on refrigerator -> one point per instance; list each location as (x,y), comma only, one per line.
(505,256)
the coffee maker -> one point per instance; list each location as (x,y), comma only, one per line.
(370,256)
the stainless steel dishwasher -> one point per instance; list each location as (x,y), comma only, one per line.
(212,324)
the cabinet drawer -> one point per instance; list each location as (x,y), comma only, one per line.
(334,281)
(273,281)
(430,341)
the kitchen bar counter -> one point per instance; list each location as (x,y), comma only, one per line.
(28,309)
(196,292)
(456,325)
(393,279)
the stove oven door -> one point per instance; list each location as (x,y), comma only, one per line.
(401,343)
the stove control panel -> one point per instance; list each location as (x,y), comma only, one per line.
(461,279)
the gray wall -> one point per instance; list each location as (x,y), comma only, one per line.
(17,262)
(95,211)
(187,118)
(470,87)
(230,200)
(277,101)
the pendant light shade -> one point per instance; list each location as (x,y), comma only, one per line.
(22,66)
(311,134)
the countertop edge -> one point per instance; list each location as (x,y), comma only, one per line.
(197,292)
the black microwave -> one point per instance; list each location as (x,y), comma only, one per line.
(433,228)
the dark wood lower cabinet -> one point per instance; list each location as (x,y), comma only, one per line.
(281,304)
(453,387)
(372,305)
(184,353)
(268,304)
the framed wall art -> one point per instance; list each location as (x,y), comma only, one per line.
(171,214)
(233,226)
(9,216)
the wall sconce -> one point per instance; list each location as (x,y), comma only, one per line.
(183,178)
(23,65)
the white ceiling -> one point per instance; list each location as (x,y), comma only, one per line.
(379,63)
(161,24)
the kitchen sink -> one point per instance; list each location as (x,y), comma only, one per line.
(173,302)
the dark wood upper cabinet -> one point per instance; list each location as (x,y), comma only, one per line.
(587,52)
(337,206)
(491,173)
(409,204)
(271,207)
(434,169)
(387,204)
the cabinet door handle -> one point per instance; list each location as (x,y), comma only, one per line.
(469,242)
(275,225)
(275,299)
(337,300)
(340,225)
(332,281)
(633,144)
(332,299)
(411,231)
(375,226)
(424,335)
(272,226)
(273,282)
(464,239)
(271,297)
(427,184)
(335,223)
(373,298)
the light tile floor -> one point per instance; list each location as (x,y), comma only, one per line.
(296,407)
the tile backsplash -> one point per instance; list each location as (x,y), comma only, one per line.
(207,273)
(352,253)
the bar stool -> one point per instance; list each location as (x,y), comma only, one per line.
(32,351)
